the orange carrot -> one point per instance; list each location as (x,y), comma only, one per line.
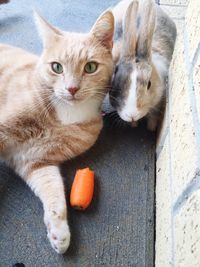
(82,189)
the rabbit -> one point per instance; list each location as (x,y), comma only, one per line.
(144,41)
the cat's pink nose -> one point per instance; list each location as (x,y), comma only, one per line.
(73,90)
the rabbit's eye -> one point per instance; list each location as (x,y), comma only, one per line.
(149,85)
(116,69)
(137,60)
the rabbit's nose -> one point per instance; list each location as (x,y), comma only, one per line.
(133,119)
(134,123)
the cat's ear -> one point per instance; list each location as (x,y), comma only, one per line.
(47,32)
(103,29)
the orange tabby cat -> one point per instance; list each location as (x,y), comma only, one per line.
(50,110)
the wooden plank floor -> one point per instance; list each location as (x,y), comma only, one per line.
(118,228)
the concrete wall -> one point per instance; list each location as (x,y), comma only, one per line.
(178,148)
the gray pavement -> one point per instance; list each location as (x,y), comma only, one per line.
(118,228)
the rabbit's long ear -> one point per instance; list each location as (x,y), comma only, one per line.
(147,20)
(129,31)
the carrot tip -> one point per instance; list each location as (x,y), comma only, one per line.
(76,207)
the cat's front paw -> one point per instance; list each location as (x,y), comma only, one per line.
(59,235)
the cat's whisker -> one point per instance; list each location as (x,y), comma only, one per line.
(105,93)
(112,97)
(33,108)
(116,121)
(97,88)
(44,111)
(113,115)
(47,110)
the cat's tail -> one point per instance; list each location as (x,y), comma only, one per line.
(4,1)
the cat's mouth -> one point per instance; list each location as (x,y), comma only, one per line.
(73,99)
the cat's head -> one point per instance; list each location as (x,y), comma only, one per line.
(73,66)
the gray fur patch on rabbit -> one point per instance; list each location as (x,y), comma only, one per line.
(142,57)
(118,32)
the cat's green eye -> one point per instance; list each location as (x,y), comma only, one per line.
(90,67)
(57,67)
